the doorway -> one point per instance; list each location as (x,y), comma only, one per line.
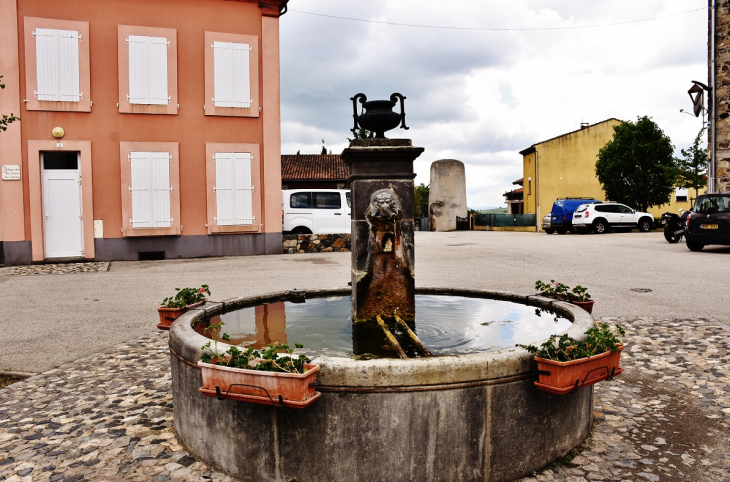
(63,228)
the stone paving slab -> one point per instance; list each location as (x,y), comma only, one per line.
(109,416)
(61,268)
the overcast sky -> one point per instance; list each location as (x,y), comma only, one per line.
(479,95)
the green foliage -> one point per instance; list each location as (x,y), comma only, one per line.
(692,168)
(6,120)
(637,166)
(186,296)
(362,134)
(559,291)
(276,357)
(420,200)
(600,340)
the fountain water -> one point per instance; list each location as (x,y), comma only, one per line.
(468,417)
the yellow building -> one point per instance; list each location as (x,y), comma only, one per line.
(565,166)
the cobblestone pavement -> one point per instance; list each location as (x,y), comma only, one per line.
(64,268)
(109,416)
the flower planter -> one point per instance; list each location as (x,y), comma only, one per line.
(564,377)
(292,390)
(586,305)
(168,316)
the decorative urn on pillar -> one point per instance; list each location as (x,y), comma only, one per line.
(379,116)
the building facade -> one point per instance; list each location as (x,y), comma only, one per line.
(149,129)
(565,166)
(720,57)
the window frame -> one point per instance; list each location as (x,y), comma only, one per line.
(31,68)
(125,107)
(211,148)
(125,151)
(209,107)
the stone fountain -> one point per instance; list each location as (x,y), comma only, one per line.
(468,417)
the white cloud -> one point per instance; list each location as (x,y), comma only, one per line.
(482,96)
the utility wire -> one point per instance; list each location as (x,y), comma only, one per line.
(497,29)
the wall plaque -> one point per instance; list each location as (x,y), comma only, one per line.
(11,173)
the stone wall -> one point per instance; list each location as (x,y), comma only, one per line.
(315,243)
(722,171)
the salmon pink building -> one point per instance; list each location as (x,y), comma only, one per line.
(149,129)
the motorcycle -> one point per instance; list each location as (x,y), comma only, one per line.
(674,225)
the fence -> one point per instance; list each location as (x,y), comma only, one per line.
(503,220)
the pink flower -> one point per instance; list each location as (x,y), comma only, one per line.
(201,290)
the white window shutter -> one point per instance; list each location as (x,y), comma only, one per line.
(224,189)
(142,216)
(162,189)
(139,76)
(231,74)
(57,65)
(243,188)
(158,71)
(68,54)
(150,189)
(148,70)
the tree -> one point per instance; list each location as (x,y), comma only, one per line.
(6,120)
(637,167)
(692,169)
(420,200)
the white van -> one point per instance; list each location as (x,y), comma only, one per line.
(316,211)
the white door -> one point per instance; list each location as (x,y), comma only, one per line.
(62,215)
(328,215)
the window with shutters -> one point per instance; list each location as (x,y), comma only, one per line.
(150,188)
(147,70)
(57,65)
(231,75)
(233,182)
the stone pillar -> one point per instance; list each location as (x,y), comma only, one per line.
(447,194)
(381,182)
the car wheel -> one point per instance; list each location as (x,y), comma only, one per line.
(600,226)
(669,235)
(694,246)
(645,225)
(548,231)
(301,230)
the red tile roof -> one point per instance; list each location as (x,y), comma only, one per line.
(320,167)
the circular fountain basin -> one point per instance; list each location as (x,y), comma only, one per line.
(474,416)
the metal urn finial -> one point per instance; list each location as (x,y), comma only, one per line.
(379,116)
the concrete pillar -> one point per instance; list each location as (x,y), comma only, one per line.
(447,196)
(381,182)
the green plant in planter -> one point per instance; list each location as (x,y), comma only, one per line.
(580,293)
(276,357)
(553,289)
(600,340)
(186,296)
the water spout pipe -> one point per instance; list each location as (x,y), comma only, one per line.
(424,351)
(393,342)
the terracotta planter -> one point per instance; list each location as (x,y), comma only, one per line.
(564,377)
(586,305)
(168,316)
(293,390)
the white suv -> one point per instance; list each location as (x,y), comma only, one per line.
(318,211)
(604,216)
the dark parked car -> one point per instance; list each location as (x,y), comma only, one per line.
(561,216)
(709,221)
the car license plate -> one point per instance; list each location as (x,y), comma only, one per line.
(708,226)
